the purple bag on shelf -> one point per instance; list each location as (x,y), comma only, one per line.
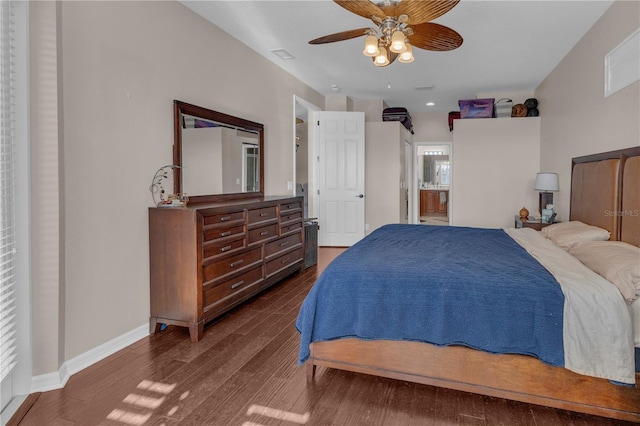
(476,108)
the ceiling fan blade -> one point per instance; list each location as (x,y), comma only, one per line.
(420,11)
(344,35)
(364,8)
(432,36)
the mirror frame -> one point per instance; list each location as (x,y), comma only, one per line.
(180,108)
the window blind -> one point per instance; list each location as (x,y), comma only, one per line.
(8,351)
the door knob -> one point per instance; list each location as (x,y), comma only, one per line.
(360,196)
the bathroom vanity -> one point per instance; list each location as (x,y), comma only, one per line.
(434,201)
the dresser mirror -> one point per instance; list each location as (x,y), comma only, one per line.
(220,157)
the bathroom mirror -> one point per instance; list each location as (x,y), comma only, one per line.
(220,157)
(435,170)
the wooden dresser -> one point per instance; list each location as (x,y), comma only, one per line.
(207,258)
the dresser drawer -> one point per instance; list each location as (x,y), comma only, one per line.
(263,233)
(222,232)
(290,227)
(287,207)
(262,215)
(290,217)
(215,248)
(238,262)
(224,218)
(283,261)
(282,244)
(230,290)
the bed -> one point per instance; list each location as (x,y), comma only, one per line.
(542,347)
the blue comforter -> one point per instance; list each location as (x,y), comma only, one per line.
(441,285)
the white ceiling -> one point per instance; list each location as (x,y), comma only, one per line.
(509,46)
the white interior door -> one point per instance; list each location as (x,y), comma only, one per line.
(341,165)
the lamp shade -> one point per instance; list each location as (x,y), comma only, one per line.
(371,46)
(397,42)
(381,60)
(546,182)
(406,56)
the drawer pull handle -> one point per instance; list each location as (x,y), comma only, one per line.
(234,264)
(264,214)
(225,234)
(285,261)
(284,243)
(263,233)
(238,284)
(225,248)
(225,218)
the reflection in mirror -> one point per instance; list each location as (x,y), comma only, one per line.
(435,169)
(209,148)
(433,166)
(220,155)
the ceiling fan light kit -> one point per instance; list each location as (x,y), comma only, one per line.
(406,57)
(397,42)
(371,46)
(381,60)
(398,26)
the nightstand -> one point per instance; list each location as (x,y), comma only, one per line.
(532,223)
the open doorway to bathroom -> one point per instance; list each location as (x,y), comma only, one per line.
(304,181)
(433,190)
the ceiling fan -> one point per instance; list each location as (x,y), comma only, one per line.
(399,25)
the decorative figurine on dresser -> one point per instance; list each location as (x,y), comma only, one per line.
(229,242)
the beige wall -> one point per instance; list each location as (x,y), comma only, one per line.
(576,117)
(431,127)
(384,181)
(47,197)
(494,165)
(122,65)
(372,109)
(338,103)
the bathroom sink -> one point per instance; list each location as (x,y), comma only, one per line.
(441,187)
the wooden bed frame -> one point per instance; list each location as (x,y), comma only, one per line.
(598,198)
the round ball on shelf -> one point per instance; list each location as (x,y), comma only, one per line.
(531,103)
(533,112)
(519,110)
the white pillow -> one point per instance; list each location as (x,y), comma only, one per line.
(617,261)
(566,234)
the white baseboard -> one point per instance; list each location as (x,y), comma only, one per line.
(57,380)
(11,409)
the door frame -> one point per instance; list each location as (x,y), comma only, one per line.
(409,181)
(300,105)
(415,194)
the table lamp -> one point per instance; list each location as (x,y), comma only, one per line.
(547,184)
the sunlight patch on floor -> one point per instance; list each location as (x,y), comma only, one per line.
(145,402)
(274,413)
(128,417)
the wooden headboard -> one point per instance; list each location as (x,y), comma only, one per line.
(605,192)
(630,211)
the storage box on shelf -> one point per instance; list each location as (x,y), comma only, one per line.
(476,108)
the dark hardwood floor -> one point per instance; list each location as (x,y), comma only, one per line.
(244,372)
